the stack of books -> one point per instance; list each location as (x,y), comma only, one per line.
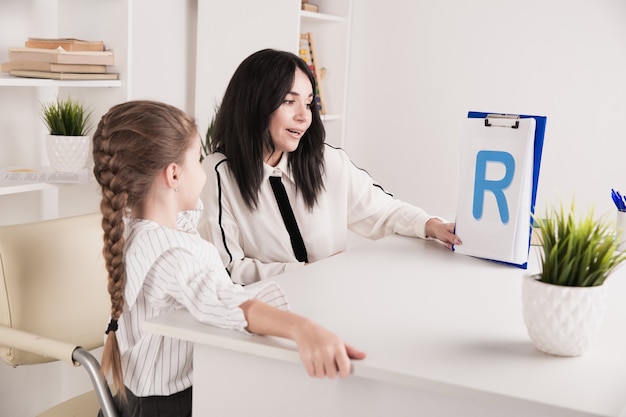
(61,59)
(307,54)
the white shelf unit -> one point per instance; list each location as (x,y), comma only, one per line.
(320,17)
(330,28)
(277,26)
(49,202)
(138,31)
(21,130)
(9,81)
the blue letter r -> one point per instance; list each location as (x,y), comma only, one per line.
(497,187)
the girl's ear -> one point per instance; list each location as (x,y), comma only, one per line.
(172,173)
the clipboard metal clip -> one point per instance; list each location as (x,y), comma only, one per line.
(502,120)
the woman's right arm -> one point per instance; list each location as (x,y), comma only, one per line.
(322,352)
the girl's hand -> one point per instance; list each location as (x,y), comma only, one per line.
(323,353)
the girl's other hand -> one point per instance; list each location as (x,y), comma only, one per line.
(323,353)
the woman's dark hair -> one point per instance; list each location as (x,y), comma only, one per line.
(256,90)
(134,141)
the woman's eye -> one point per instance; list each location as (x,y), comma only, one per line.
(290,102)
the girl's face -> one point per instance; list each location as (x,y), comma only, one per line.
(290,121)
(192,177)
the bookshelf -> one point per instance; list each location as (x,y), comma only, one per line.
(21,130)
(8,81)
(133,29)
(330,28)
(279,27)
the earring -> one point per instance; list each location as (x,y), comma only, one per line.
(176,189)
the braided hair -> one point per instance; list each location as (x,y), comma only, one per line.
(133,142)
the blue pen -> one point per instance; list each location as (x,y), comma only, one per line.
(620,202)
(615,200)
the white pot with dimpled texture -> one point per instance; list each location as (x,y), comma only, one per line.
(67,153)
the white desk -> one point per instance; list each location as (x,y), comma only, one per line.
(444,334)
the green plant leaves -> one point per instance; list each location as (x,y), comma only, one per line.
(65,117)
(577,252)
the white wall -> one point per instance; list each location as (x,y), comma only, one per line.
(164,47)
(417,67)
(227,35)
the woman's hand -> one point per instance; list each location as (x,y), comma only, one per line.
(443,232)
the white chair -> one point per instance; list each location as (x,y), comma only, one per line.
(54,303)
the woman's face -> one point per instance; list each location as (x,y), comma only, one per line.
(290,121)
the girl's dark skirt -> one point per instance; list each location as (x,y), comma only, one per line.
(175,405)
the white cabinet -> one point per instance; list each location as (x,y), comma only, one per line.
(21,130)
(153,42)
(330,28)
(230,31)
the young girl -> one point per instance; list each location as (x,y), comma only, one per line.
(267,131)
(148,162)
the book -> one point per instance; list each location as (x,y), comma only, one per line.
(307,54)
(500,156)
(51,67)
(61,56)
(69,44)
(307,7)
(64,75)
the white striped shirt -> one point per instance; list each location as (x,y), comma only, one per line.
(166,270)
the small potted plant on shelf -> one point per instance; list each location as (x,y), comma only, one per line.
(564,305)
(67,143)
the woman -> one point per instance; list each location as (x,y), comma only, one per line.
(267,129)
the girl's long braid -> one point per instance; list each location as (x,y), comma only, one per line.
(112,206)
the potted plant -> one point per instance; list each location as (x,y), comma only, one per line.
(208,137)
(68,142)
(564,305)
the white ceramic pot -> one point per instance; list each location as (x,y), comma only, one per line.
(67,153)
(620,230)
(562,320)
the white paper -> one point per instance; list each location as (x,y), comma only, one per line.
(485,229)
(16,175)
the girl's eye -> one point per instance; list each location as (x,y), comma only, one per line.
(201,158)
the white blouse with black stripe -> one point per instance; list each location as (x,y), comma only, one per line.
(255,244)
(167,270)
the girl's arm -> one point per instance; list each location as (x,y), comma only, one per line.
(323,353)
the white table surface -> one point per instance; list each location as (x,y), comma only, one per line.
(430,319)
